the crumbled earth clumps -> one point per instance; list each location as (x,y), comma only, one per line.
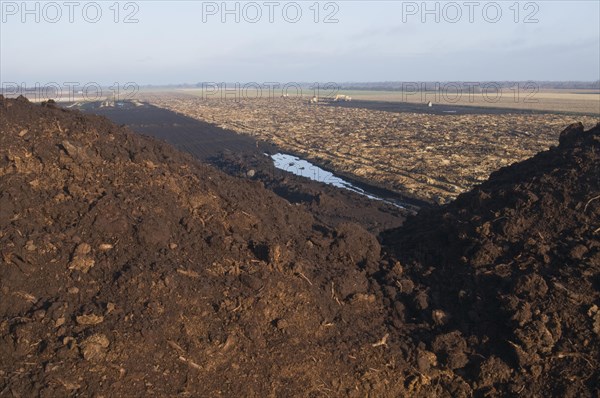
(509,275)
(128,268)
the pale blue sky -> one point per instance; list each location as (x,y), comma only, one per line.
(371,42)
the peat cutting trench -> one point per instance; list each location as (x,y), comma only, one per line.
(244,156)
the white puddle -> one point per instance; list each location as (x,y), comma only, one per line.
(301,167)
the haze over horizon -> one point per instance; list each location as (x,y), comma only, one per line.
(189,42)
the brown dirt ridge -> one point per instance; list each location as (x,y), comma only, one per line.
(510,274)
(128,268)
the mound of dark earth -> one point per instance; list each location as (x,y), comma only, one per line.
(128,268)
(506,279)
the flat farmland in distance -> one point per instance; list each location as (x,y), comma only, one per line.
(430,156)
(570,101)
(577,101)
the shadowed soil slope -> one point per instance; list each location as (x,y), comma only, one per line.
(507,277)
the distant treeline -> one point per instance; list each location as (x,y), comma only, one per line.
(475,86)
(407,86)
(447,86)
